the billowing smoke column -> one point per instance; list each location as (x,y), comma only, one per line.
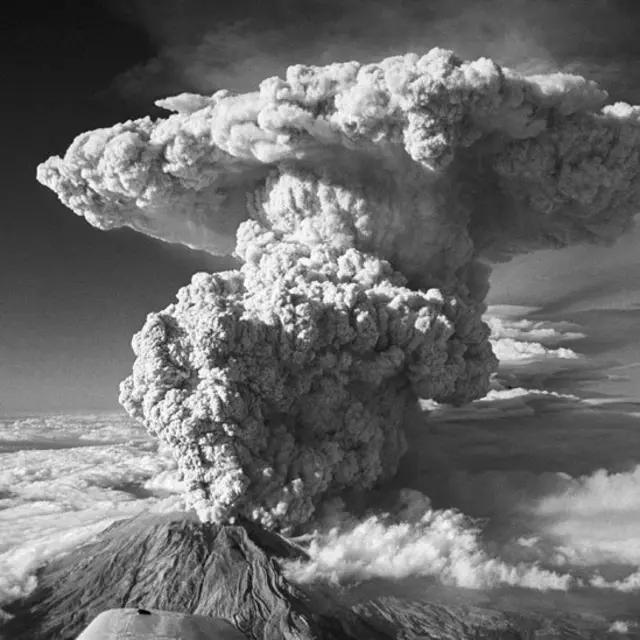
(361,199)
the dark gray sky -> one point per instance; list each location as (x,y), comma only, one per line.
(71,296)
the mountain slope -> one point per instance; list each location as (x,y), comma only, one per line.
(175,563)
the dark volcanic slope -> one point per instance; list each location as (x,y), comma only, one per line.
(175,563)
(172,562)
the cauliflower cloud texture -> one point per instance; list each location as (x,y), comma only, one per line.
(364,201)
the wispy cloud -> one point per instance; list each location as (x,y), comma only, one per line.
(440,544)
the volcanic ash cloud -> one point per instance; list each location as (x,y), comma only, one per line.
(364,202)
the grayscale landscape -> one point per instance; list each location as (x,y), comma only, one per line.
(382,276)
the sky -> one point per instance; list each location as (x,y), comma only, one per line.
(71,297)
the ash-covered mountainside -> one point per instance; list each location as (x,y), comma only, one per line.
(175,563)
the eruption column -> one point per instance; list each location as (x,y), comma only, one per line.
(364,202)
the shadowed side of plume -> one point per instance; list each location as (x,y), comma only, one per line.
(175,563)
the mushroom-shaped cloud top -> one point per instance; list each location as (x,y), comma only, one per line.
(362,200)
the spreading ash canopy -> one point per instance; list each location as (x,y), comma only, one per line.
(364,201)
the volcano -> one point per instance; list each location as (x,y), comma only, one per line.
(174,563)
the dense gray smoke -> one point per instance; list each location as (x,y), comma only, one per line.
(364,201)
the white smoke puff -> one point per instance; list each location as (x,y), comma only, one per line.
(625,585)
(442,544)
(361,198)
(288,381)
(185,103)
(516,351)
(622,626)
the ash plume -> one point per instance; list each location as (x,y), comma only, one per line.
(365,201)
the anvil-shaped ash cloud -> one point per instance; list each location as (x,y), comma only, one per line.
(364,201)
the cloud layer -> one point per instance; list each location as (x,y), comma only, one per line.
(64,479)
